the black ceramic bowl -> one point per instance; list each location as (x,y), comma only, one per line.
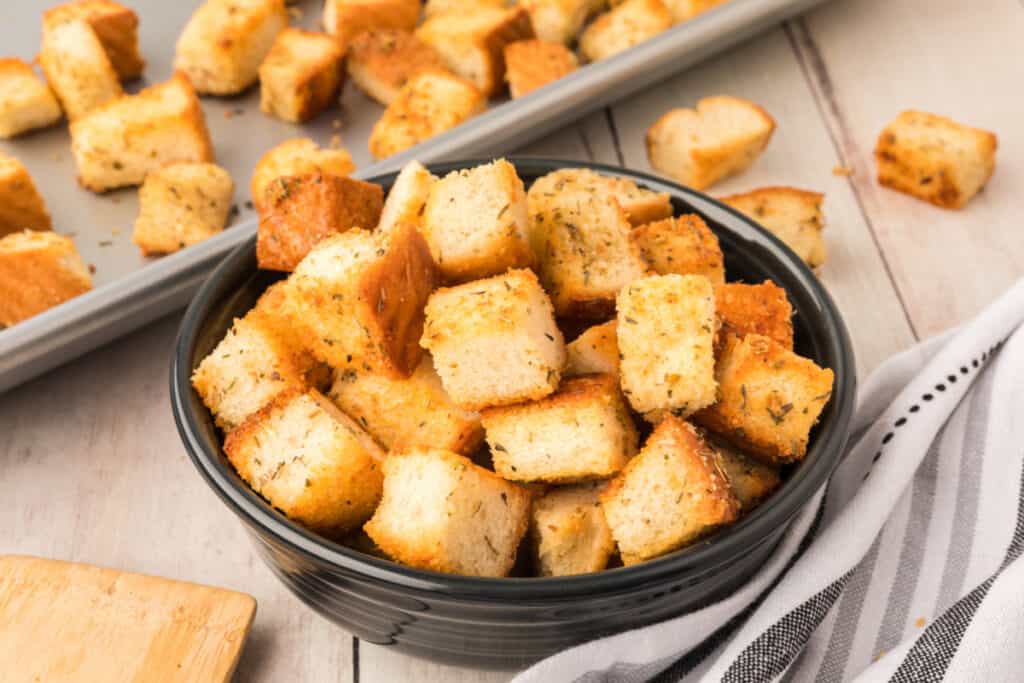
(508,623)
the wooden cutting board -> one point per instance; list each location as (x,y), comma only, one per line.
(61,621)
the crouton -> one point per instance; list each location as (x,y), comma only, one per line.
(26,102)
(115,25)
(301,75)
(225,41)
(594,351)
(77,68)
(582,431)
(381,62)
(640,204)
(360,298)
(295,157)
(21,205)
(181,204)
(476,222)
(532,64)
(407,198)
(38,270)
(720,138)
(300,211)
(935,158)
(666,331)
(751,481)
(434,7)
(402,414)
(495,341)
(568,531)
(310,461)
(768,400)
(346,19)
(754,309)
(472,44)
(625,26)
(122,141)
(441,512)
(684,10)
(684,245)
(430,103)
(792,215)
(560,21)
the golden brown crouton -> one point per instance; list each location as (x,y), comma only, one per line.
(38,270)
(407,197)
(671,494)
(310,461)
(181,204)
(793,215)
(768,399)
(442,512)
(720,138)
(495,341)
(640,204)
(346,19)
(532,64)
(754,309)
(935,158)
(381,62)
(294,157)
(434,7)
(301,75)
(683,10)
(77,68)
(683,245)
(300,211)
(26,101)
(568,531)
(751,481)
(625,26)
(596,350)
(560,21)
(115,25)
(21,205)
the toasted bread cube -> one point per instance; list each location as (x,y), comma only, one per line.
(115,25)
(720,138)
(301,75)
(769,398)
(180,205)
(560,21)
(122,141)
(666,331)
(295,157)
(346,19)
(684,245)
(38,270)
(625,26)
(21,205)
(430,103)
(792,215)
(754,309)
(568,532)
(640,204)
(476,222)
(582,431)
(751,481)
(310,461)
(472,44)
(300,211)
(495,341)
(935,158)
(77,68)
(594,351)
(225,41)
(671,494)
(26,101)
(432,8)
(382,62)
(407,198)
(441,512)
(532,64)
(684,10)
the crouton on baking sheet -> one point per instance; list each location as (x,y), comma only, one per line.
(294,157)
(38,270)
(182,204)
(26,101)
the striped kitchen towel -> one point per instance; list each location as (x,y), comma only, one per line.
(904,568)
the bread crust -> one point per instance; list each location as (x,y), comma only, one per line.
(381,62)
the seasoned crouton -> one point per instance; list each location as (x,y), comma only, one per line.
(594,351)
(181,204)
(768,400)
(582,431)
(684,245)
(26,102)
(683,10)
(295,157)
(115,25)
(671,494)
(346,19)
(122,141)
(407,198)
(532,64)
(77,68)
(495,341)
(381,62)
(472,44)
(225,41)
(402,414)
(666,331)
(935,158)
(568,531)
(430,103)
(793,215)
(476,222)
(441,512)
(301,75)
(625,26)
(310,461)
(754,309)
(300,211)
(434,7)
(640,204)
(751,481)
(720,138)
(21,205)
(560,21)
(38,270)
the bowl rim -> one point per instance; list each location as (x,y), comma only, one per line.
(714,551)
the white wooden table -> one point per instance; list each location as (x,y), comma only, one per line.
(92,469)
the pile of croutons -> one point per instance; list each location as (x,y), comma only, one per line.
(407,388)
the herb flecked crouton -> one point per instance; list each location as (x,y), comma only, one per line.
(560,21)
(347,19)
(751,481)
(441,512)
(596,350)
(298,156)
(568,532)
(640,204)
(77,68)
(38,270)
(21,205)
(301,75)
(683,245)
(381,62)
(407,198)
(180,205)
(115,25)
(26,101)
(760,309)
(625,26)
(532,64)
(792,215)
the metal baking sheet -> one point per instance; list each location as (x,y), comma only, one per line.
(131,291)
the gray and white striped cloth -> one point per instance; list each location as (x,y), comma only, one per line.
(905,568)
